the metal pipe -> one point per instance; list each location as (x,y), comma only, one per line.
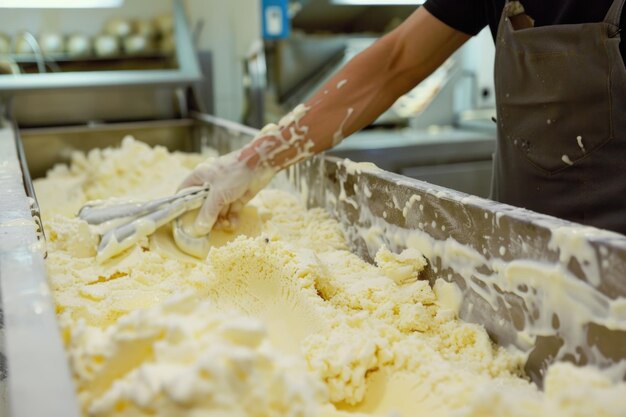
(34,45)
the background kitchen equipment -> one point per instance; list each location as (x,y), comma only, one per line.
(441,132)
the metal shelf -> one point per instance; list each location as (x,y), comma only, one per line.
(63,58)
(188,70)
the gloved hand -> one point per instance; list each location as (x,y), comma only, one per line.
(235,178)
(233,183)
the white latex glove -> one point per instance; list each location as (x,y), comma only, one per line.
(232,185)
(232,181)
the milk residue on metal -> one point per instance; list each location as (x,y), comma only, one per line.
(551,292)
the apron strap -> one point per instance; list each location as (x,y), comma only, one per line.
(614,14)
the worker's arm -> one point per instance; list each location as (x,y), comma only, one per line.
(360,92)
(369,84)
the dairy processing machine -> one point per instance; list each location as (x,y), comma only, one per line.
(553,289)
(517,270)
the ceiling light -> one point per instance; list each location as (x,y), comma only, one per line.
(59,4)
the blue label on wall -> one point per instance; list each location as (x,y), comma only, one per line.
(275,19)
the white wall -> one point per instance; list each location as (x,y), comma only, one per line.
(230,28)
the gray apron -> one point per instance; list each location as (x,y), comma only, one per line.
(561,102)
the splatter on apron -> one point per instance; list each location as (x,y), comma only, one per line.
(561,102)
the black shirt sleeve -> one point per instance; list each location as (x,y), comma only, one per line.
(467,16)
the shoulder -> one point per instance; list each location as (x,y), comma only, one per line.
(468,16)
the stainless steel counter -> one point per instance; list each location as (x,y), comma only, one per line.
(39,382)
(453,158)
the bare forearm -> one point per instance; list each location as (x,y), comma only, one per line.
(357,95)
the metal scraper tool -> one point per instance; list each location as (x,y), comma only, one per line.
(122,225)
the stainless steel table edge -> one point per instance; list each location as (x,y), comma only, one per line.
(39,380)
